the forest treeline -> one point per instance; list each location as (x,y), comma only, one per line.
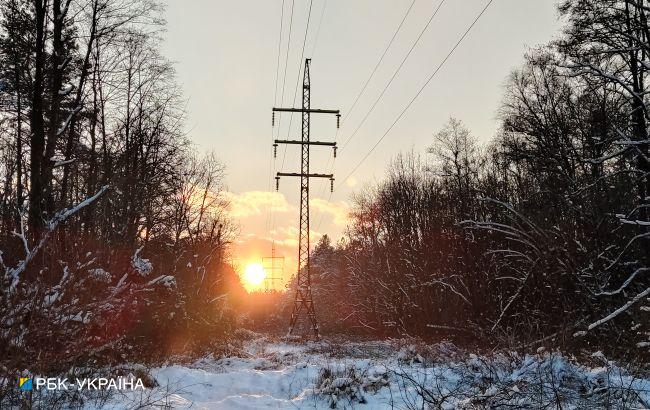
(113,230)
(541,236)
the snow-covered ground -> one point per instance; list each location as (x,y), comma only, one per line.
(388,374)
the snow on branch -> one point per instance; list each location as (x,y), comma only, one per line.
(63,65)
(624,250)
(66,213)
(22,236)
(604,158)
(50,226)
(66,90)
(585,68)
(63,162)
(631,142)
(165,280)
(142,266)
(511,300)
(65,125)
(444,284)
(615,313)
(635,222)
(625,284)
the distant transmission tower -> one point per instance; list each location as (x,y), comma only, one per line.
(274,265)
(303,300)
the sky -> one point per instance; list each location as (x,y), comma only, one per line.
(226,58)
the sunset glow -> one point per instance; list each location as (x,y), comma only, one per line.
(253,277)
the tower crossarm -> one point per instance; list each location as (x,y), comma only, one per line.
(298,142)
(298,174)
(307,110)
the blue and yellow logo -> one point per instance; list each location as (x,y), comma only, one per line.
(25,384)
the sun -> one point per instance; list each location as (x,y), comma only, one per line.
(254,276)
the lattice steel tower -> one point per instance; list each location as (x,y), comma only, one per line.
(303,300)
(274,266)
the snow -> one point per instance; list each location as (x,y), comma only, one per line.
(378,375)
(60,163)
(165,280)
(51,225)
(100,275)
(50,299)
(66,89)
(63,127)
(142,266)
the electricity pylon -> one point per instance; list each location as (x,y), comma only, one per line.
(274,265)
(303,299)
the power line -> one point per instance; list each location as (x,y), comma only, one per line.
(374,70)
(442,63)
(275,102)
(284,81)
(356,100)
(320,23)
(302,53)
(286,62)
(304,42)
(295,92)
(322,190)
(277,66)
(313,51)
(415,43)
(329,199)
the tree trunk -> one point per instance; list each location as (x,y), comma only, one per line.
(37,139)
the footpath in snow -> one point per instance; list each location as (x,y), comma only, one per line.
(388,374)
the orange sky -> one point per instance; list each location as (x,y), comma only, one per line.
(264,217)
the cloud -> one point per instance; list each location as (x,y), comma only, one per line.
(288,236)
(257,238)
(252,203)
(351,182)
(285,236)
(338,211)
